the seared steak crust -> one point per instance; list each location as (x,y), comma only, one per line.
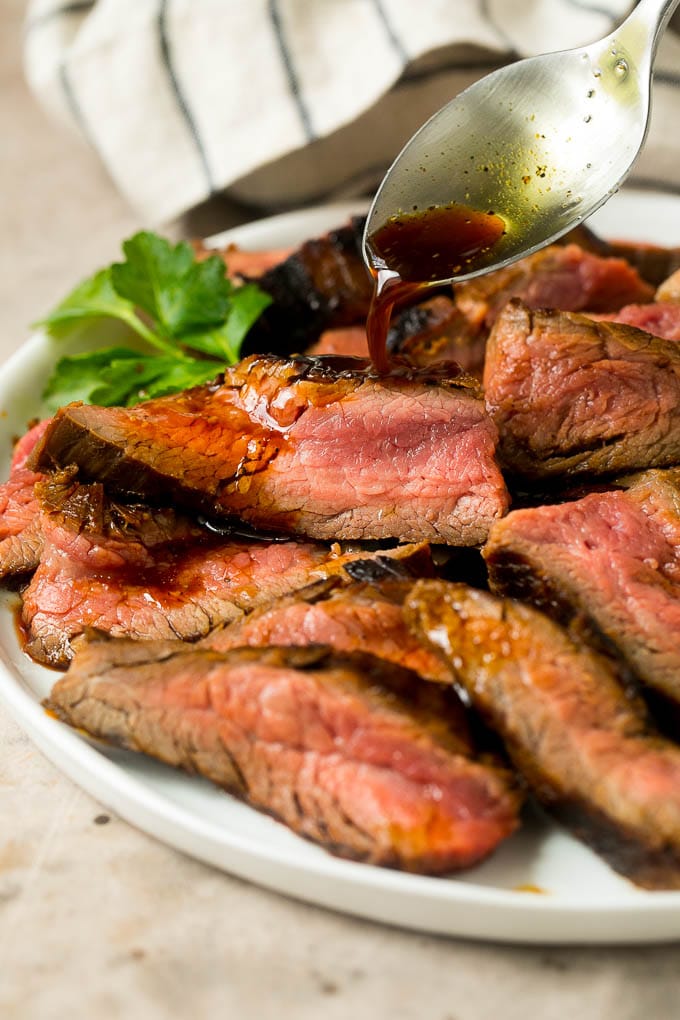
(611,557)
(322,285)
(586,749)
(570,395)
(20,535)
(347,750)
(346,616)
(302,446)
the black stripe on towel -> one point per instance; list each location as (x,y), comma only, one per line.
(583,5)
(505,39)
(289,68)
(76,7)
(166,55)
(394,39)
(74,104)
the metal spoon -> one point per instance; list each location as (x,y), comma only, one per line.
(542,142)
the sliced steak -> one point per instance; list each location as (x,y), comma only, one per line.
(20,535)
(347,750)
(302,446)
(425,334)
(348,617)
(559,277)
(660,318)
(322,285)
(586,749)
(241,263)
(151,573)
(612,557)
(570,395)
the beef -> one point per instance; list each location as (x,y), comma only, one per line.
(323,285)
(349,751)
(348,617)
(660,318)
(302,446)
(572,396)
(586,749)
(425,334)
(150,572)
(20,536)
(611,557)
(559,277)
(241,263)
(653,262)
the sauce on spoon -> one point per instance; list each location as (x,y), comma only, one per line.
(412,251)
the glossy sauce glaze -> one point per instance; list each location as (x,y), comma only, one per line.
(415,250)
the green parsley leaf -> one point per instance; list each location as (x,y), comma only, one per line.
(225,341)
(93,299)
(175,303)
(179,293)
(117,375)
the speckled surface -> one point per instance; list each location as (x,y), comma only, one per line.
(98,920)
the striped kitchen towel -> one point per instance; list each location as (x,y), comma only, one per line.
(280,103)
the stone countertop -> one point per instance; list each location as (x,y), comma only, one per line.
(96,919)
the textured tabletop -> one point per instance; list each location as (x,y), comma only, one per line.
(96,919)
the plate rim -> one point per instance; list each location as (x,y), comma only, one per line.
(563,918)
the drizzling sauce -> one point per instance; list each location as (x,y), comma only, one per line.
(421,248)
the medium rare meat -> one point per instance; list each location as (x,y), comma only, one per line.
(660,318)
(348,617)
(149,573)
(347,750)
(20,536)
(302,446)
(611,557)
(570,395)
(561,277)
(586,749)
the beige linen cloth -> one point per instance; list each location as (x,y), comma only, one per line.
(279,103)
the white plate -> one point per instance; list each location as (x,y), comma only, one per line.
(582,900)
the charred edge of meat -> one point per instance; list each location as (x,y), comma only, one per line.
(386,568)
(411,322)
(228,527)
(300,311)
(331,367)
(649,867)
(513,575)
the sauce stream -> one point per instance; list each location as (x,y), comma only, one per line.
(413,251)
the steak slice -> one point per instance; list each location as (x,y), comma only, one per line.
(347,750)
(611,557)
(148,573)
(322,285)
(570,395)
(20,535)
(560,277)
(348,617)
(586,749)
(660,318)
(302,446)
(425,334)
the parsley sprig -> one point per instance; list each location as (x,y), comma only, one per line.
(190,318)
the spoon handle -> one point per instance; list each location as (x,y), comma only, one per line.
(640,33)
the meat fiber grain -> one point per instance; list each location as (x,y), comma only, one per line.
(586,749)
(302,446)
(349,751)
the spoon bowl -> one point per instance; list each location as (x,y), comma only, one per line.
(542,143)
